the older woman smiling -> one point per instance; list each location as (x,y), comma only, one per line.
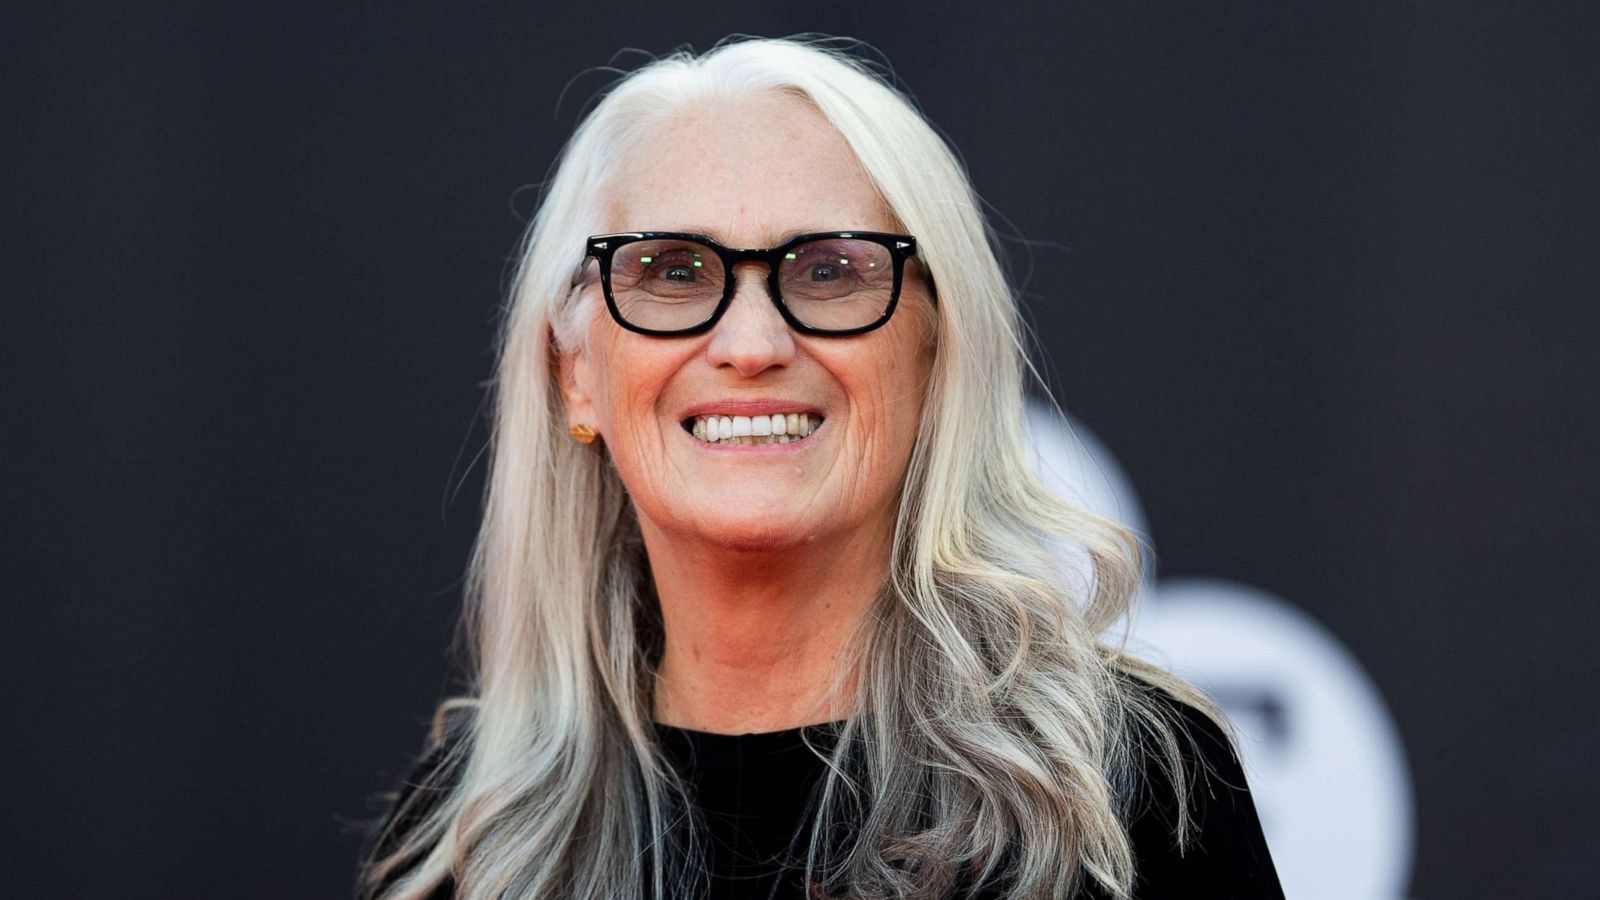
(766,601)
(763,556)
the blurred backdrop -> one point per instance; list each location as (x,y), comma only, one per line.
(1315,288)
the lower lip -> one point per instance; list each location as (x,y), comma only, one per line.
(791,447)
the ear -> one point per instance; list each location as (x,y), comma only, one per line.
(574,370)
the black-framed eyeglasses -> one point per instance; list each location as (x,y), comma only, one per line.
(670,283)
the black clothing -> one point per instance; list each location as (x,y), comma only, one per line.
(756,790)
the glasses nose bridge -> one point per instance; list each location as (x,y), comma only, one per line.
(764,261)
(770,318)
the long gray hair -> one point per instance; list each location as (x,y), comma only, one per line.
(998,737)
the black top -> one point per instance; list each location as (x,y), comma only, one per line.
(756,790)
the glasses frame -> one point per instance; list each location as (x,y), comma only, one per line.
(602,247)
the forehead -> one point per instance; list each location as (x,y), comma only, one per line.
(748,172)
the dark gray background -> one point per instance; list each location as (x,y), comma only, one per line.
(1321,280)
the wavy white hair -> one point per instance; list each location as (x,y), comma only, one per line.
(999,736)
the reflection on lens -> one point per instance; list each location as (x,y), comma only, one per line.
(837,283)
(666,284)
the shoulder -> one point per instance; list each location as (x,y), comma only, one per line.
(1225,853)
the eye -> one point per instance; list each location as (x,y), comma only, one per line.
(827,272)
(672,265)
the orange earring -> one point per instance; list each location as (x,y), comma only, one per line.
(583,434)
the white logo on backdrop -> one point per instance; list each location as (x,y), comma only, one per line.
(1322,754)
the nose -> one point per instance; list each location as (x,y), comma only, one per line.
(752,335)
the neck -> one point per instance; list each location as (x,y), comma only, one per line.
(756,637)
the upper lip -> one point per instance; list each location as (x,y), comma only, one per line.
(750,408)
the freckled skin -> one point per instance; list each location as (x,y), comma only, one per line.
(762,561)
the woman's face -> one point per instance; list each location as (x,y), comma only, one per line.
(750,173)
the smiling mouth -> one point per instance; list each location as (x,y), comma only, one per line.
(779,428)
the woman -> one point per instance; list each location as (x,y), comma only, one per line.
(765,602)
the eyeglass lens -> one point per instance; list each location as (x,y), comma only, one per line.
(665,284)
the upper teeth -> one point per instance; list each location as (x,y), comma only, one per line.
(778,428)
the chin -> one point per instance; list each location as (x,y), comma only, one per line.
(753,535)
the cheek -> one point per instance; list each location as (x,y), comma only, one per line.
(890,399)
(611,379)
(630,380)
(906,373)
(904,404)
